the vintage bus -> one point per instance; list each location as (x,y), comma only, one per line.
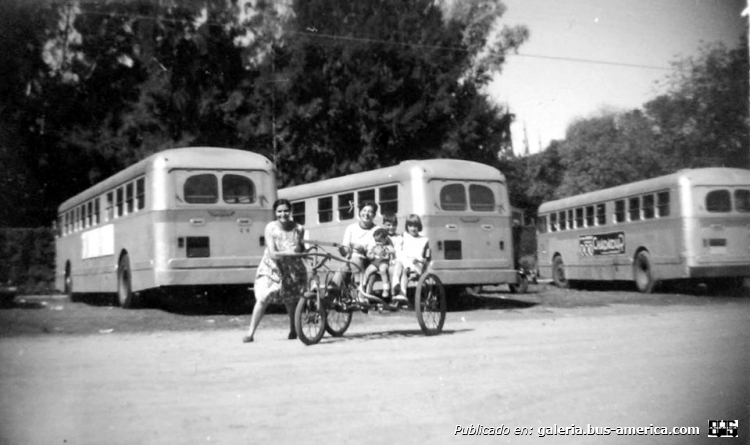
(693,224)
(463,206)
(181,217)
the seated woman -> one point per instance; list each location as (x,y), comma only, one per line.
(357,237)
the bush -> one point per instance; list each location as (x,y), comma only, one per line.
(27,259)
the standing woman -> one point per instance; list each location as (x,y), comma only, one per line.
(280,279)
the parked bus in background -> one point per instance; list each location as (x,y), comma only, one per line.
(181,217)
(692,224)
(463,206)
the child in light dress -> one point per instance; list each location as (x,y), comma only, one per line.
(411,257)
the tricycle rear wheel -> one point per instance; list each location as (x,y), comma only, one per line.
(310,320)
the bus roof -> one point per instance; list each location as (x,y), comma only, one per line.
(449,169)
(711,175)
(188,157)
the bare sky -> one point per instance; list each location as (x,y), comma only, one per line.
(584,55)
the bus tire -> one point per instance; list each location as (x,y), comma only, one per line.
(558,273)
(643,273)
(125,296)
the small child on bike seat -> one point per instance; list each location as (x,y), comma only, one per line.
(380,252)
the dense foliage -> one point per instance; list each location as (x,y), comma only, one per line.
(324,87)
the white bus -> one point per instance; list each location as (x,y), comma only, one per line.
(181,217)
(692,224)
(463,206)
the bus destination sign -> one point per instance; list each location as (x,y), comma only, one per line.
(601,244)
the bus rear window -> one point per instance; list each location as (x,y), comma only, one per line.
(481,198)
(453,197)
(718,201)
(742,200)
(388,200)
(200,189)
(237,189)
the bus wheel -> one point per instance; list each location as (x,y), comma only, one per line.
(558,273)
(643,274)
(124,284)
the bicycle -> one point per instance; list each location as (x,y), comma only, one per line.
(326,307)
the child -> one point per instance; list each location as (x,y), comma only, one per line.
(380,252)
(413,252)
(390,222)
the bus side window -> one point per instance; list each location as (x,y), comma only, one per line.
(298,212)
(481,198)
(110,206)
(325,209)
(571,220)
(129,197)
(346,206)
(541,224)
(634,208)
(364,196)
(718,201)
(601,215)
(563,223)
(553,227)
(453,197)
(97,210)
(742,200)
(648,206)
(388,200)
(662,204)
(140,193)
(589,216)
(579,217)
(620,211)
(198,189)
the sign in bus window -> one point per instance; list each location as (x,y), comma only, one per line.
(648,206)
(201,189)
(742,200)
(541,224)
(237,189)
(388,200)
(325,209)
(718,201)
(453,197)
(634,208)
(298,212)
(346,206)
(620,211)
(481,198)
(662,204)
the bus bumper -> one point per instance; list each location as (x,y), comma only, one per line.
(740,270)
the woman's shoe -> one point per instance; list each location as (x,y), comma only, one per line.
(292,336)
(247,339)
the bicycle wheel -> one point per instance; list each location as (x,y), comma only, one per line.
(310,320)
(338,319)
(430,304)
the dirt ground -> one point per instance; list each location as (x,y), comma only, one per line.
(72,373)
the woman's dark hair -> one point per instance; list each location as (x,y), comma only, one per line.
(280,202)
(372,204)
